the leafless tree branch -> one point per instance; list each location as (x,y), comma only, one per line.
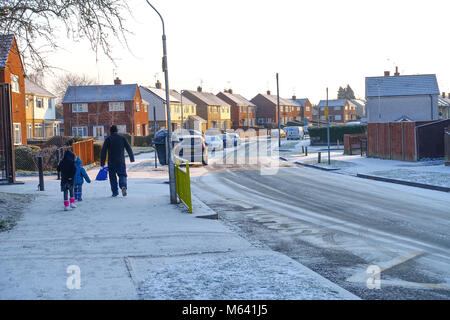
(35,21)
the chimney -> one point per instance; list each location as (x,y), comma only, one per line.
(294,97)
(158,84)
(268,92)
(396,72)
(117,81)
(387,73)
(230,91)
(199,89)
(443,94)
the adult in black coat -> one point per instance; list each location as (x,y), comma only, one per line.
(115,146)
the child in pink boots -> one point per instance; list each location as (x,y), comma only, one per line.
(68,169)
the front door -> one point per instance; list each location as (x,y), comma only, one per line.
(99,132)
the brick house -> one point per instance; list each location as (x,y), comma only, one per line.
(339,110)
(243,112)
(40,111)
(267,113)
(91,110)
(306,110)
(12,72)
(390,98)
(156,98)
(215,111)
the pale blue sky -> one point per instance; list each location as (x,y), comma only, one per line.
(242,44)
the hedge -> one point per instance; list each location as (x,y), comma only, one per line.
(139,141)
(25,158)
(319,134)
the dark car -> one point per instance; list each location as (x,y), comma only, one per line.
(191,148)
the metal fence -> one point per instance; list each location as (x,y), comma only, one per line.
(183,185)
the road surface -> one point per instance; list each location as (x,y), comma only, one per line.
(377,240)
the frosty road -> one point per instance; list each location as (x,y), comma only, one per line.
(339,226)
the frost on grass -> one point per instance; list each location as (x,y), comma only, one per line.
(11,208)
(230,276)
(426,177)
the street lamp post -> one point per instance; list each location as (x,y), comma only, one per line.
(173,195)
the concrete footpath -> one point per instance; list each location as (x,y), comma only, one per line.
(140,247)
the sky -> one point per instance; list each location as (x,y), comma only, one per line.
(242,44)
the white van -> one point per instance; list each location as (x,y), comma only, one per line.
(294,133)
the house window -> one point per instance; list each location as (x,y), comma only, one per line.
(116,106)
(122,128)
(26,102)
(337,108)
(29,132)
(337,117)
(138,107)
(79,107)
(38,130)
(322,108)
(346,117)
(17,133)
(15,87)
(145,107)
(39,103)
(80,131)
(138,130)
(308,108)
(322,117)
(346,107)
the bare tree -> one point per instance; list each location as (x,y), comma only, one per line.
(61,82)
(34,22)
(37,77)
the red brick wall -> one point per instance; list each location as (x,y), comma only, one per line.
(14,65)
(342,112)
(140,117)
(307,114)
(99,114)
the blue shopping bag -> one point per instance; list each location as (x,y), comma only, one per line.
(102,174)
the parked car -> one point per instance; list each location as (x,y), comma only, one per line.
(195,132)
(294,133)
(282,133)
(191,148)
(230,140)
(214,142)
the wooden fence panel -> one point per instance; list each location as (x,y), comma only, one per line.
(84,150)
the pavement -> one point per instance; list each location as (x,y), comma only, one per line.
(431,172)
(140,247)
